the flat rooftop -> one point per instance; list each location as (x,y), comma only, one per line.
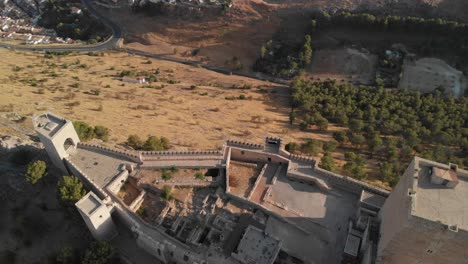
(322,217)
(440,203)
(89,203)
(48,124)
(256,247)
(99,166)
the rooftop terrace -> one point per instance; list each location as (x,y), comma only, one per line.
(48,124)
(101,167)
(437,202)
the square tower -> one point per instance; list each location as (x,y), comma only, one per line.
(425,218)
(58,136)
(97,217)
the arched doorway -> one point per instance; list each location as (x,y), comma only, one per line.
(68,144)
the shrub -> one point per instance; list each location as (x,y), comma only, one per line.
(101,132)
(100,253)
(166,175)
(135,142)
(199,176)
(85,131)
(142,212)
(35,171)
(70,190)
(166,194)
(292,147)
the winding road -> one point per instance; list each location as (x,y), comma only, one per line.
(113,40)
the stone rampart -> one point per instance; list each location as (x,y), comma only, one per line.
(120,153)
(243,144)
(87,180)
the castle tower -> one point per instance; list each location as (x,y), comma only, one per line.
(58,137)
(97,217)
(425,218)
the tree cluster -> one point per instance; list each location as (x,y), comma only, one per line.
(392,125)
(57,15)
(152,143)
(87,132)
(284,59)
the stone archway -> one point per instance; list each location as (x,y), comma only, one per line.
(68,144)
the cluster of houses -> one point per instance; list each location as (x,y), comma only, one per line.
(18,20)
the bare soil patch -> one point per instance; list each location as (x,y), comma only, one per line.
(242,177)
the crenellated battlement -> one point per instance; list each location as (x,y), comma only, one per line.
(243,144)
(126,154)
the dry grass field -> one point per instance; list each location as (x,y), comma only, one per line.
(192,112)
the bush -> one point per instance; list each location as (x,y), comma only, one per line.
(85,131)
(70,190)
(35,171)
(142,212)
(166,194)
(101,132)
(135,142)
(154,143)
(199,176)
(100,253)
(166,175)
(292,147)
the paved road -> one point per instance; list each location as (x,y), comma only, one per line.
(113,40)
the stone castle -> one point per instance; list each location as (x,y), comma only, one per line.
(257,203)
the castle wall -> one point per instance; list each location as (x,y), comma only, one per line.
(396,210)
(119,153)
(255,156)
(424,241)
(85,179)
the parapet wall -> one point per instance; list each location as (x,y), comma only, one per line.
(243,144)
(120,153)
(117,183)
(179,155)
(349,183)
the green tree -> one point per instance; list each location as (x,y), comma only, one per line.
(322,123)
(85,131)
(155,143)
(35,171)
(374,143)
(330,146)
(100,253)
(339,136)
(327,162)
(311,147)
(357,139)
(292,147)
(70,189)
(356,125)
